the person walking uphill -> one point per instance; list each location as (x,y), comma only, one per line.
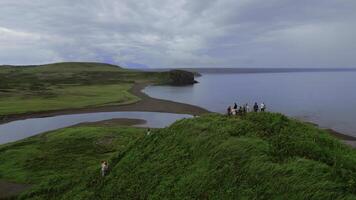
(255,107)
(104,168)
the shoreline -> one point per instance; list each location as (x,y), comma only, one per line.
(145,104)
(336,134)
(114,122)
(9,189)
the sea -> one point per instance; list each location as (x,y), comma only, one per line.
(327,98)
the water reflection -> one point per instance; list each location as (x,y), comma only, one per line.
(20,129)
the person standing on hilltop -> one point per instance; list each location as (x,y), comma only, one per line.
(240,111)
(235,106)
(244,109)
(229,110)
(247,108)
(263,107)
(255,107)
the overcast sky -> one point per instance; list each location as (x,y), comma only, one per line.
(180,33)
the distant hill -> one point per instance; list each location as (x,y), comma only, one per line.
(57,86)
(91,71)
(66,67)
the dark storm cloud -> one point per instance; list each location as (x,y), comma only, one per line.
(180,33)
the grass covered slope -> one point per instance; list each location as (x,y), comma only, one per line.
(26,89)
(259,156)
(63,153)
(65,97)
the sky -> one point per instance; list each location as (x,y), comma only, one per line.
(180,33)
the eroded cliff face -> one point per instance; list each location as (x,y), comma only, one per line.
(180,77)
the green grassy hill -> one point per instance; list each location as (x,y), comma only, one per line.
(258,156)
(65,67)
(74,67)
(26,89)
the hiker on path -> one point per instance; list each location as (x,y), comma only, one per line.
(255,107)
(148,132)
(104,168)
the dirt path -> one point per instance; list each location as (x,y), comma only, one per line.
(9,189)
(146,103)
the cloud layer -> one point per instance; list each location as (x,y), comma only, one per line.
(180,33)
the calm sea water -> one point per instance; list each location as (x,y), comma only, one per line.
(21,129)
(326,98)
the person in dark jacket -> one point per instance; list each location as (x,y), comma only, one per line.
(235,106)
(229,111)
(255,107)
(240,111)
(244,109)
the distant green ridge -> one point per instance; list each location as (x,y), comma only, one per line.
(70,85)
(68,66)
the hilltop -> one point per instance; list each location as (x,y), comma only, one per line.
(258,156)
(61,66)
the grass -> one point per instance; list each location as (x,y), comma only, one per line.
(58,86)
(67,97)
(66,152)
(258,156)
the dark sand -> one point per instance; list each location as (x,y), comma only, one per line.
(340,135)
(114,122)
(9,189)
(146,103)
(346,139)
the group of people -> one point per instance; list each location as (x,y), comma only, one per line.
(245,108)
(231,110)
